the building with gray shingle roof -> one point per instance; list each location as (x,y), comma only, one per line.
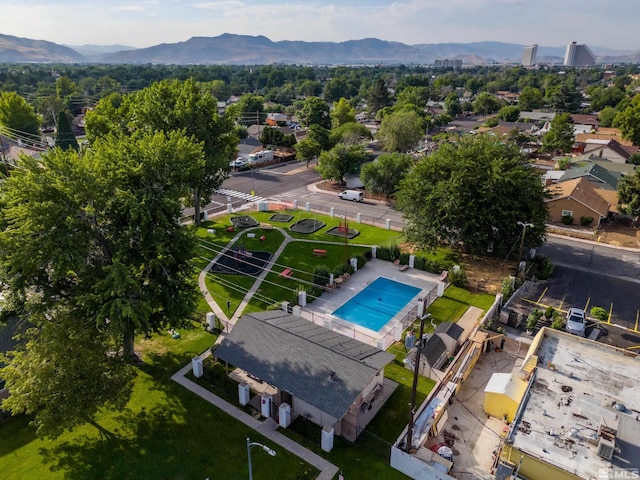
(326,375)
(434,354)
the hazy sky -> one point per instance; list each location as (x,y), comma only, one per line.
(142,23)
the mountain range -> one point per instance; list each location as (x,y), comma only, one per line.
(233,49)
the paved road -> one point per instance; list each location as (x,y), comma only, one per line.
(587,274)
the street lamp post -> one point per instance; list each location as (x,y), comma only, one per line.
(264,447)
(524,230)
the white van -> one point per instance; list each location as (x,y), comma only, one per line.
(353,195)
(260,157)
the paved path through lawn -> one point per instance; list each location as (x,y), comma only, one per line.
(266,428)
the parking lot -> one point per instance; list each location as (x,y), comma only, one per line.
(577,288)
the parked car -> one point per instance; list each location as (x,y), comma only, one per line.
(354,195)
(238,162)
(576,321)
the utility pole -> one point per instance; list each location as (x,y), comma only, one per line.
(416,372)
(524,231)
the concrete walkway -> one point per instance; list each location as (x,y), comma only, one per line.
(266,428)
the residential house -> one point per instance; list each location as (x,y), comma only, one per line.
(578,199)
(11,150)
(609,149)
(595,173)
(585,119)
(537,116)
(603,134)
(330,379)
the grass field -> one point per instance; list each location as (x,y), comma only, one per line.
(166,432)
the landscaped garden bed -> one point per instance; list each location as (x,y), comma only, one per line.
(307,225)
(244,221)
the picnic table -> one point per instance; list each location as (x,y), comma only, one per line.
(319,252)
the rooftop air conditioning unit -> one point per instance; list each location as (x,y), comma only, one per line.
(606,449)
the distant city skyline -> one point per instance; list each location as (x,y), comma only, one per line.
(143,23)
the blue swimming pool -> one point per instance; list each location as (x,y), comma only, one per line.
(374,306)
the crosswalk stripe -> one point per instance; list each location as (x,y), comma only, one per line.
(242,195)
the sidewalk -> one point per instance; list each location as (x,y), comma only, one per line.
(266,428)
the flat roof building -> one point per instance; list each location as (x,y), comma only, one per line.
(579,56)
(578,417)
(529,55)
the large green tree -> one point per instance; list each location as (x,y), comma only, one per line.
(342,113)
(18,117)
(628,121)
(92,253)
(530,98)
(452,104)
(485,103)
(175,106)
(315,111)
(560,137)
(384,174)
(629,194)
(564,97)
(401,131)
(307,150)
(353,133)
(472,194)
(65,137)
(341,160)
(378,95)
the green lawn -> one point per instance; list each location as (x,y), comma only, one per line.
(166,433)
(368,235)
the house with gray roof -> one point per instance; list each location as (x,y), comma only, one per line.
(434,354)
(329,378)
(595,173)
(451,334)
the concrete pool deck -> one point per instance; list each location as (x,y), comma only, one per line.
(320,311)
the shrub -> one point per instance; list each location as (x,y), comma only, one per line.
(507,287)
(567,219)
(542,267)
(599,313)
(321,275)
(459,278)
(586,221)
(362,261)
(563,163)
(548,313)
(391,253)
(558,322)
(533,318)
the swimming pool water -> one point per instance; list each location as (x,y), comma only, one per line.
(374,306)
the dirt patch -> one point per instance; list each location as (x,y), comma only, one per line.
(620,236)
(485,275)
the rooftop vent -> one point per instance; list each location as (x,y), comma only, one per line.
(606,449)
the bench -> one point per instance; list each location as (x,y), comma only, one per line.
(319,253)
(286,273)
(403,268)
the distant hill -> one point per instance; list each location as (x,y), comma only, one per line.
(23,50)
(259,50)
(94,52)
